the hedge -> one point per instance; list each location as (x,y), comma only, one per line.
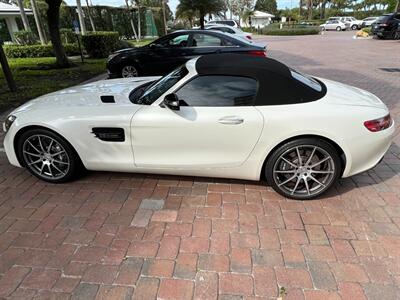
(291,31)
(26,37)
(21,51)
(101,43)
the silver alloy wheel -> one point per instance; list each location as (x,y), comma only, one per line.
(338,28)
(46,157)
(129,71)
(304,170)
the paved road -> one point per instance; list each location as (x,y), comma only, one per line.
(117,236)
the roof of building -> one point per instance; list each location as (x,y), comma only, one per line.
(261,14)
(276,85)
(11,10)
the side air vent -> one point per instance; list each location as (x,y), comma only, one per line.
(107,99)
(109,134)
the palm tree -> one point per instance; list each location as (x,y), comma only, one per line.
(90,16)
(202,7)
(23,15)
(80,16)
(184,15)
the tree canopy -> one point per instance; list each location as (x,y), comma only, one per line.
(201,7)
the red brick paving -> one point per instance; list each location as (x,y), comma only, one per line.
(213,238)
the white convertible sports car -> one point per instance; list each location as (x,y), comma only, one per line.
(223,115)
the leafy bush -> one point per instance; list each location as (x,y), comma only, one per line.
(26,37)
(291,31)
(100,44)
(367,30)
(22,51)
(67,36)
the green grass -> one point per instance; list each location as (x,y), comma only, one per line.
(36,76)
(143,42)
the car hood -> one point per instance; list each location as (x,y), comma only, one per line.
(343,94)
(88,94)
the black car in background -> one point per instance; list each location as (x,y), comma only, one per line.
(387,26)
(167,53)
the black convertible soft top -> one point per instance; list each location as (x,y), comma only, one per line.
(277,84)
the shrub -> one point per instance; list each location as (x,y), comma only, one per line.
(21,51)
(67,36)
(367,30)
(26,37)
(100,44)
(291,31)
(124,45)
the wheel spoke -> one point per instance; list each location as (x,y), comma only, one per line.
(320,162)
(42,168)
(51,173)
(34,147)
(289,162)
(49,147)
(316,180)
(40,144)
(299,156)
(306,184)
(34,162)
(321,172)
(55,167)
(32,154)
(311,156)
(58,153)
(60,162)
(297,184)
(288,180)
(286,172)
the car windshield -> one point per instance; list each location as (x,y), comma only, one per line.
(383,18)
(306,80)
(154,91)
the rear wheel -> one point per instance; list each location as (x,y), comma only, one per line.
(354,27)
(338,28)
(303,168)
(48,156)
(129,71)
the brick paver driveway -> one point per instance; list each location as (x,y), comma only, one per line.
(121,236)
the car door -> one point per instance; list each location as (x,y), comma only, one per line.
(207,43)
(217,126)
(168,54)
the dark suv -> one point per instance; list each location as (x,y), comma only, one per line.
(387,26)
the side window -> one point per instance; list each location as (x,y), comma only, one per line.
(215,91)
(176,42)
(205,40)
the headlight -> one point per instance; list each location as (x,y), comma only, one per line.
(8,122)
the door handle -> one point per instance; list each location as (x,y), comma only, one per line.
(231,120)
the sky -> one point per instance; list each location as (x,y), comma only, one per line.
(173,3)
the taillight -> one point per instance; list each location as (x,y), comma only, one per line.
(379,124)
(249,37)
(260,53)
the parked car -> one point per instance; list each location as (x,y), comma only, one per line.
(334,25)
(386,26)
(165,54)
(222,115)
(231,30)
(352,22)
(231,23)
(368,21)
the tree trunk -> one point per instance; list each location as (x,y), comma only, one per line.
(322,16)
(310,9)
(164,17)
(53,21)
(80,16)
(90,16)
(38,22)
(202,16)
(398,6)
(23,15)
(300,7)
(131,19)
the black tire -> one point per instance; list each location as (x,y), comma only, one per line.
(275,163)
(133,68)
(338,28)
(53,163)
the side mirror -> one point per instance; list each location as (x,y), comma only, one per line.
(172,102)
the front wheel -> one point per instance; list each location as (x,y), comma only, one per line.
(48,156)
(303,169)
(338,28)
(354,27)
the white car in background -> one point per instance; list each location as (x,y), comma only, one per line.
(354,23)
(231,30)
(334,25)
(368,21)
(231,23)
(221,115)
